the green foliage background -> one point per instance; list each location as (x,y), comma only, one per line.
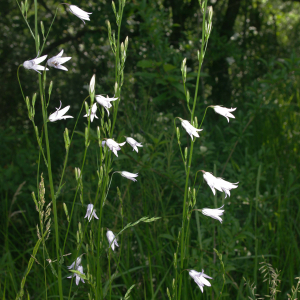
(252,63)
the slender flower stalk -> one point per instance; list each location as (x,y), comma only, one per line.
(183,231)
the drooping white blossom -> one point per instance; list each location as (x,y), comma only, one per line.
(218,183)
(129,175)
(33,64)
(58,60)
(78,278)
(214,213)
(90,212)
(93,114)
(105,102)
(225,112)
(78,12)
(227,186)
(190,129)
(200,278)
(113,146)
(59,114)
(111,240)
(133,143)
(75,263)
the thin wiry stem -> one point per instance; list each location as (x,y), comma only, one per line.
(184,210)
(48,159)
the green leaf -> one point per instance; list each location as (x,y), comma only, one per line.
(168,67)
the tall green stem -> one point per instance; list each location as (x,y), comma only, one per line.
(48,159)
(182,242)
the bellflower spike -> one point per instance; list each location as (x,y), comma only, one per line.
(78,12)
(59,114)
(75,264)
(223,111)
(214,213)
(34,64)
(133,143)
(113,146)
(90,212)
(58,60)
(199,278)
(190,129)
(130,176)
(93,114)
(78,278)
(111,240)
(105,102)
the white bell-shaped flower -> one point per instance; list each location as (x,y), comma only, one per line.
(214,213)
(105,102)
(59,114)
(113,146)
(133,143)
(58,60)
(93,114)
(78,12)
(190,129)
(223,111)
(128,175)
(111,240)
(33,64)
(90,212)
(200,278)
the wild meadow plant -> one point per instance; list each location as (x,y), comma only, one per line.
(190,193)
(89,236)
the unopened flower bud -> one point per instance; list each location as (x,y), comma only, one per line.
(183,64)
(116,88)
(66,211)
(42,28)
(50,88)
(187,96)
(67,139)
(114,8)
(92,87)
(210,13)
(178,133)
